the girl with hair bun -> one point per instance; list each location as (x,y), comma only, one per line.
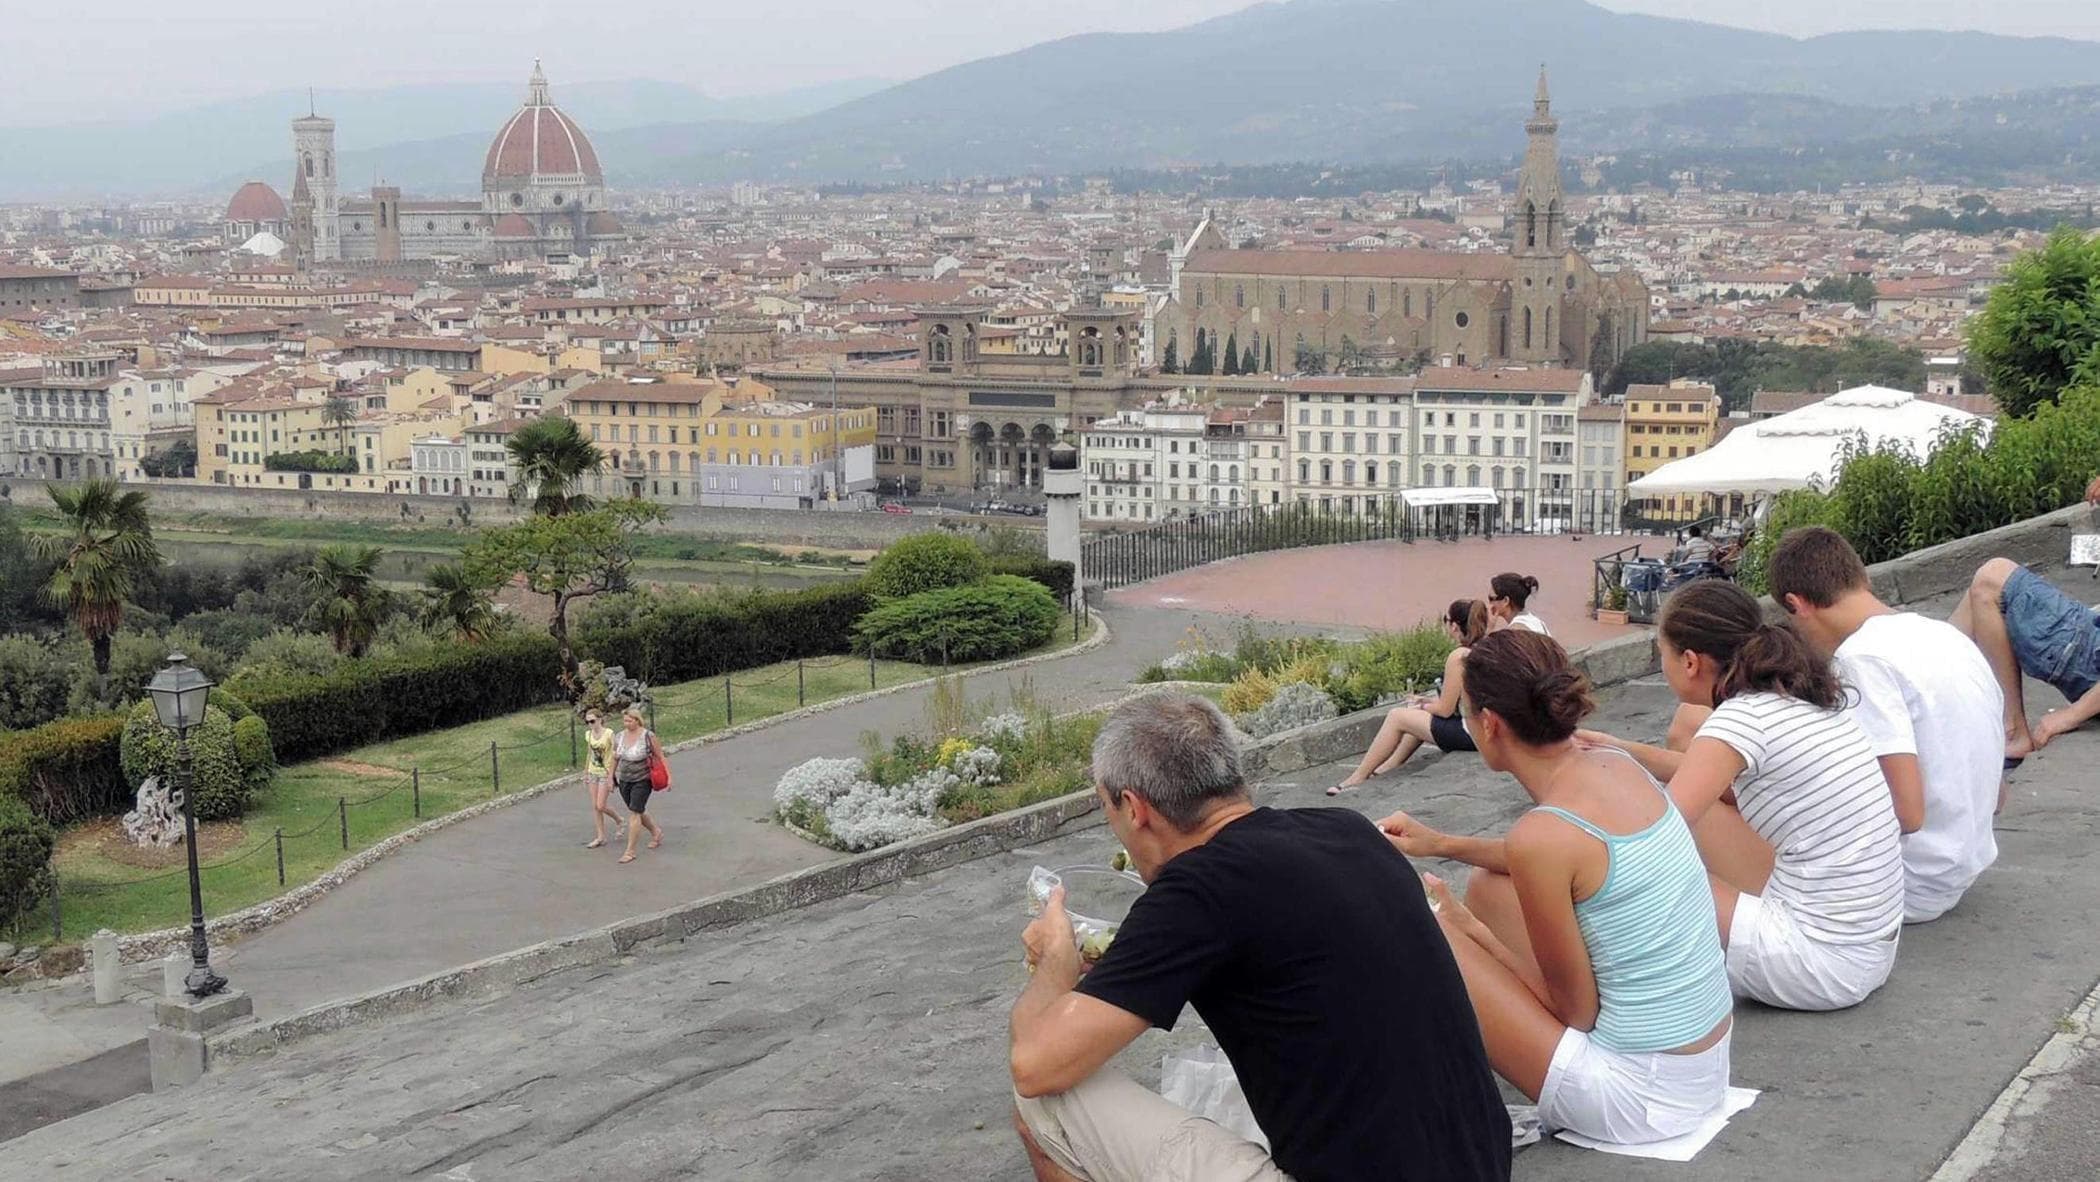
(1425,719)
(1789,805)
(1586,937)
(1508,592)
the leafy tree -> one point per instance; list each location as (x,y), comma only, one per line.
(177,460)
(925,562)
(1858,290)
(566,557)
(553,457)
(2040,330)
(352,604)
(107,539)
(339,412)
(1306,359)
(457,603)
(1170,361)
(1200,361)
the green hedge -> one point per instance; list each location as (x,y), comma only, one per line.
(26,841)
(226,770)
(999,617)
(925,562)
(1054,574)
(66,770)
(683,635)
(309,461)
(370,699)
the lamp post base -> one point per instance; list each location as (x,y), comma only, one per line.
(178,1043)
(202,982)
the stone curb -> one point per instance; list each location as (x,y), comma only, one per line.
(144,946)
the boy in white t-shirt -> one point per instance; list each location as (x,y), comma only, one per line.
(1926,699)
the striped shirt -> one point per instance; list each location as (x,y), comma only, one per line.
(1812,787)
(1654,946)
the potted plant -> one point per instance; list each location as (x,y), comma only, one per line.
(1614,609)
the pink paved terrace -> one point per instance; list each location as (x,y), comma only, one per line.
(1384,585)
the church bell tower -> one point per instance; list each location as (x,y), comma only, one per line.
(1541,240)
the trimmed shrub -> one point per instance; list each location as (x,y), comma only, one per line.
(1053,574)
(66,770)
(998,617)
(35,678)
(683,635)
(26,842)
(251,746)
(925,562)
(221,782)
(373,698)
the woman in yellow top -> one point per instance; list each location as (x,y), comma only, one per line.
(597,777)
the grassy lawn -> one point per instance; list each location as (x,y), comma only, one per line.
(532,747)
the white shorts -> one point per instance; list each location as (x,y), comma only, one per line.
(1770,959)
(1631,1099)
(1112,1128)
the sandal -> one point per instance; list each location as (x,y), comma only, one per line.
(592,845)
(626,858)
(1338,789)
(656,842)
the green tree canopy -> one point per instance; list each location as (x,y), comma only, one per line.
(350,603)
(568,557)
(2040,331)
(455,602)
(553,457)
(106,540)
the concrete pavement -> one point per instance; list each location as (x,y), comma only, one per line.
(863,1038)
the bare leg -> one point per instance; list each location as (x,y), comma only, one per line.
(1984,621)
(604,790)
(597,795)
(1045,1169)
(1685,724)
(1519,1031)
(656,833)
(1493,898)
(634,834)
(1388,738)
(1408,746)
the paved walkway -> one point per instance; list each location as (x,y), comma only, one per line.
(864,1038)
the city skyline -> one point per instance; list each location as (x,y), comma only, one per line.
(743,53)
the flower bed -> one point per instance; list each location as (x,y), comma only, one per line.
(1274,683)
(914,786)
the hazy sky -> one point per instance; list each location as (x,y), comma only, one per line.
(112,58)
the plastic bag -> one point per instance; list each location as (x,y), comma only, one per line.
(1093,935)
(1202,1081)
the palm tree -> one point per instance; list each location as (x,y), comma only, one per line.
(552,457)
(351,603)
(107,539)
(455,601)
(339,412)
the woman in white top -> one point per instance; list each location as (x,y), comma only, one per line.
(1507,594)
(1792,814)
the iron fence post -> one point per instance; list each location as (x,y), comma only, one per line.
(801,687)
(572,739)
(728,703)
(495,771)
(871,666)
(280,855)
(415,787)
(342,816)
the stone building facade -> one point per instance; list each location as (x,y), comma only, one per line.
(1542,303)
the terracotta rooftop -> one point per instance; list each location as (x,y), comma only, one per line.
(1551,381)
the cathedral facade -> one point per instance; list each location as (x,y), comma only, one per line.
(1541,303)
(542,196)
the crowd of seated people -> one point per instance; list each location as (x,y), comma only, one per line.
(1829,777)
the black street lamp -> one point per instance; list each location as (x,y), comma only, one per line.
(179,692)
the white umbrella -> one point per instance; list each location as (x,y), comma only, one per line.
(1803,447)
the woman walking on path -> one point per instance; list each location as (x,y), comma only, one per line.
(1789,806)
(1508,592)
(597,778)
(1434,720)
(1586,938)
(632,749)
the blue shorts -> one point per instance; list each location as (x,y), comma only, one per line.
(2055,638)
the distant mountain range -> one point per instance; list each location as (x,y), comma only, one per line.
(1334,82)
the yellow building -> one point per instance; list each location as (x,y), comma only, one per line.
(703,441)
(1665,423)
(237,429)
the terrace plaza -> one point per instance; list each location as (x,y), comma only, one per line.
(863,1036)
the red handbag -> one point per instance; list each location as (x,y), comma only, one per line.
(659,771)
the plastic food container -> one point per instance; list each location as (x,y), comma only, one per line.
(1097,900)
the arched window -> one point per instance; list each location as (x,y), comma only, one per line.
(1548,340)
(309,163)
(1451,474)
(1472,476)
(656,463)
(692,459)
(1280,305)
(1429,474)
(1527,328)
(776,459)
(1239,295)
(1233,474)
(732,457)
(1348,471)
(1531,224)
(1326,471)
(1326,299)
(1370,472)
(1518,480)
(1407,302)
(1304,471)
(1552,216)
(710,455)
(1213,473)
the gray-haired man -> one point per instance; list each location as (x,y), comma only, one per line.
(1304,942)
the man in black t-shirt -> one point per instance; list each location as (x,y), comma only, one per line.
(1306,945)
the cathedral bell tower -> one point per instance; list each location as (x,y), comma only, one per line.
(1540,243)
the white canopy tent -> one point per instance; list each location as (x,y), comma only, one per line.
(1802,447)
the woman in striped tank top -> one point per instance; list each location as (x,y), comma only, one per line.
(1587,939)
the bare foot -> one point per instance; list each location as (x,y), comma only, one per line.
(656,841)
(1344,786)
(626,858)
(593,845)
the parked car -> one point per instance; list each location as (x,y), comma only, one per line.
(894,507)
